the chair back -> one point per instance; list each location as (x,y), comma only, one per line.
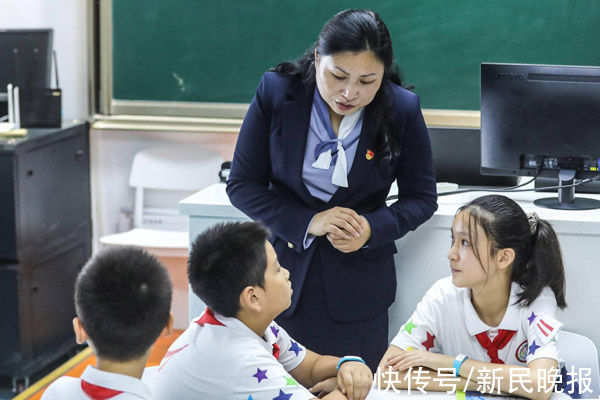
(183,169)
(580,352)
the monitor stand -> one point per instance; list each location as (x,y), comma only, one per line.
(566,196)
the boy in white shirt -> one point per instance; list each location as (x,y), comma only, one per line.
(123,301)
(235,350)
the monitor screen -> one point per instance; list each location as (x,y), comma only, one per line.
(540,119)
(25,58)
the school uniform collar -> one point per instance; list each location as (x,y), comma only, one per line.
(267,341)
(117,382)
(511,320)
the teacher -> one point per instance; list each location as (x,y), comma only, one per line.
(323,140)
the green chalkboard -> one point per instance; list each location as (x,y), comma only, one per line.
(216,51)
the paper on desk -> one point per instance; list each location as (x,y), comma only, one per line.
(7,130)
(6,126)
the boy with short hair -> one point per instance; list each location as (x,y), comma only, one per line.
(123,301)
(235,350)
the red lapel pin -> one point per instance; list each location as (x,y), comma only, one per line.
(369,154)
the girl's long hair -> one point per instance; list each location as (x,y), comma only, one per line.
(538,261)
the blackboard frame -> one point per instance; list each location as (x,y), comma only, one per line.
(110,106)
(186,116)
(203,110)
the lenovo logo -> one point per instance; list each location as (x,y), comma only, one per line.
(510,77)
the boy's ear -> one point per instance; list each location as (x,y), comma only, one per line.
(505,257)
(168,329)
(80,334)
(250,299)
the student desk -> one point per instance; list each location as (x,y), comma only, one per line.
(421,257)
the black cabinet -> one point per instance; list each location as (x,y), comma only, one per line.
(45,238)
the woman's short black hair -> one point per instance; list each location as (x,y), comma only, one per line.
(225,259)
(123,300)
(356,31)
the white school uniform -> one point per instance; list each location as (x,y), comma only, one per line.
(221,358)
(97,384)
(446,322)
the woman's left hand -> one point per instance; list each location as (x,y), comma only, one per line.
(418,358)
(354,243)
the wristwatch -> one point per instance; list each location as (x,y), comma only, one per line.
(458,361)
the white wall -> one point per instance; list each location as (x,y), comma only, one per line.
(68,18)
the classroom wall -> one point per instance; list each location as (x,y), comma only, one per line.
(68,18)
(111,155)
(111,151)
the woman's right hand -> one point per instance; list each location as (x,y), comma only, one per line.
(340,221)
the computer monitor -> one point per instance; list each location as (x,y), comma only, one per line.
(25,59)
(542,119)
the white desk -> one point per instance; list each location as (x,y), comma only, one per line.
(421,258)
(389,394)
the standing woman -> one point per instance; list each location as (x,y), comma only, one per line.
(323,140)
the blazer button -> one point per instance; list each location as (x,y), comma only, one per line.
(290,245)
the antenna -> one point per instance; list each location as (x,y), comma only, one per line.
(17,106)
(55,68)
(11,109)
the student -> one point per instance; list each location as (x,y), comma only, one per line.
(123,301)
(496,311)
(235,350)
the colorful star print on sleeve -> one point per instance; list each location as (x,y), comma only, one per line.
(265,376)
(408,327)
(533,347)
(260,374)
(419,332)
(429,342)
(291,352)
(266,379)
(542,335)
(295,348)
(283,396)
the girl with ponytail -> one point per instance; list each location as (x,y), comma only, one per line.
(495,313)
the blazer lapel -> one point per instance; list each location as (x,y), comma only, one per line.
(362,165)
(296,119)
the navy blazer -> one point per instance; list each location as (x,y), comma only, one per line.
(266,184)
